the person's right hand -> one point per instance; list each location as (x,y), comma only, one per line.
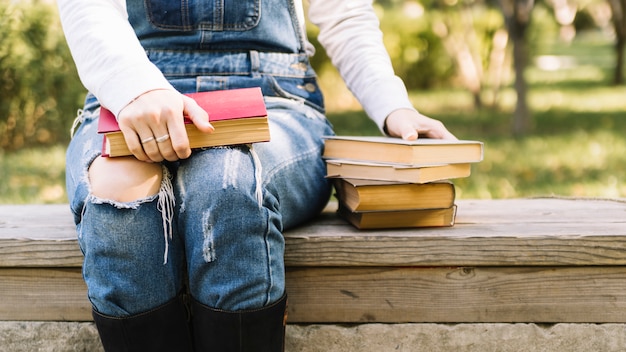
(409,125)
(154,128)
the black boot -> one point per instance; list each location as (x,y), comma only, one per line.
(165,328)
(260,330)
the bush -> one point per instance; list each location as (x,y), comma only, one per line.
(39,87)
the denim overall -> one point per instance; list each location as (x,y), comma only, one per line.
(220,214)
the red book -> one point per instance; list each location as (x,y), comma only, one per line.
(238,115)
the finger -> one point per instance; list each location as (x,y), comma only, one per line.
(149,145)
(139,136)
(161,147)
(436,129)
(134,143)
(448,135)
(198,116)
(151,149)
(178,143)
(164,146)
(409,133)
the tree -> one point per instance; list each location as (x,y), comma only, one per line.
(517,15)
(39,87)
(618,18)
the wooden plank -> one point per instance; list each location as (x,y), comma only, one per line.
(462,245)
(457,295)
(38,235)
(443,251)
(385,295)
(42,294)
(54,221)
(36,221)
(487,233)
(378,250)
(40,253)
(508,232)
(550,210)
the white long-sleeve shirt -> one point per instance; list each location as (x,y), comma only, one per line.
(113,65)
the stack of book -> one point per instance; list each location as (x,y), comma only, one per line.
(384,182)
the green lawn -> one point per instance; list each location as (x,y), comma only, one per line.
(577,147)
(33,176)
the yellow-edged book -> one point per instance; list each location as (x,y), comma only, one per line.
(238,115)
(372,195)
(399,219)
(422,151)
(343,168)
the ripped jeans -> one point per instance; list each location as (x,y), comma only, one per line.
(218,218)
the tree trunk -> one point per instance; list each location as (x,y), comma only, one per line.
(521,116)
(618,19)
(517,17)
(618,75)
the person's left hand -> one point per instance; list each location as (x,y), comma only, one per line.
(154,127)
(409,125)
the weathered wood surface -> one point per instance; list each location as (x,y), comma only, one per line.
(521,260)
(457,295)
(377,294)
(43,294)
(488,233)
(494,232)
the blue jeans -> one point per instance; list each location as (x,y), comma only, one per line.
(224,208)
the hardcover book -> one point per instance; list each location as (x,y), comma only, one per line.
(238,115)
(371,195)
(398,219)
(344,168)
(422,151)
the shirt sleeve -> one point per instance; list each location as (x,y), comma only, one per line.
(350,33)
(110,60)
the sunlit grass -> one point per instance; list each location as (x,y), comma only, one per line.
(33,176)
(579,164)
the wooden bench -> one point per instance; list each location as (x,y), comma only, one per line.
(544,260)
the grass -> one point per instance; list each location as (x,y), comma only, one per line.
(33,176)
(576,148)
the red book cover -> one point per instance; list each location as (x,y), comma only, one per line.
(219,104)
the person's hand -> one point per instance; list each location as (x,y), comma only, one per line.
(409,125)
(154,128)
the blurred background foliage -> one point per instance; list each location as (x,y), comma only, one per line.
(469,63)
(39,88)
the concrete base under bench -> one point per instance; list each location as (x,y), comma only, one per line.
(83,337)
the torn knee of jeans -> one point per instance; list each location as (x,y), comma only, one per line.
(122,205)
(165,191)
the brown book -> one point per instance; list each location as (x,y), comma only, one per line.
(399,219)
(372,195)
(238,115)
(395,172)
(422,151)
